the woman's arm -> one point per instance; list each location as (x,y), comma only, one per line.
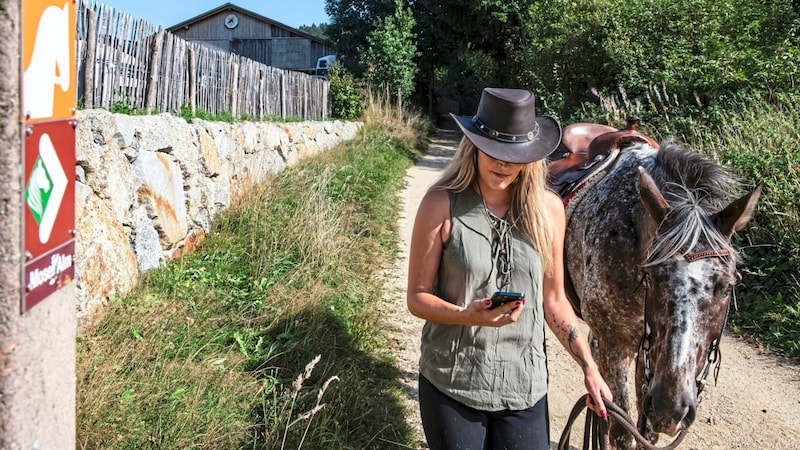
(561,317)
(431,230)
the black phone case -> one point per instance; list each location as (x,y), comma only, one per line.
(501,298)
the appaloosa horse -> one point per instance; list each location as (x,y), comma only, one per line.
(651,269)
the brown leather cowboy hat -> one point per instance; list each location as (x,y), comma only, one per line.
(507,128)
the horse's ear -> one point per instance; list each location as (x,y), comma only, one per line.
(736,215)
(651,196)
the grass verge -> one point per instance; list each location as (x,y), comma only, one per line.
(267,336)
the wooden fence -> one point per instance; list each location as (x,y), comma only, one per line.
(128,62)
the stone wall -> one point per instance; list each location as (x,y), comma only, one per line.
(148,187)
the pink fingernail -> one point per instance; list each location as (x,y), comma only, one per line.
(487,302)
(603,413)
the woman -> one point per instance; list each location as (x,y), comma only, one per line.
(489,224)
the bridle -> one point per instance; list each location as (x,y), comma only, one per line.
(714,357)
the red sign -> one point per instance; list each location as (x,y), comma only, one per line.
(48,273)
(48,107)
(49,199)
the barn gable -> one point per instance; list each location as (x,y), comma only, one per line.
(238,30)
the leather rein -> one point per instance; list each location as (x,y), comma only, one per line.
(596,429)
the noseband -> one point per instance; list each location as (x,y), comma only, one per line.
(714,353)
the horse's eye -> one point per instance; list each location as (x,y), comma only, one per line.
(726,291)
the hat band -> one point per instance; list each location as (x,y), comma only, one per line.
(504,137)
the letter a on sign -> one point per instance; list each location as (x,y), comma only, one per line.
(48,86)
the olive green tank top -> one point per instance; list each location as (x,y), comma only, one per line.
(486,368)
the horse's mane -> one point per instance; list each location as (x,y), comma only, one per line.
(695,187)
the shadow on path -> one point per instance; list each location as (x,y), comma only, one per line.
(441,150)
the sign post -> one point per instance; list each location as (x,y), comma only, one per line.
(48,109)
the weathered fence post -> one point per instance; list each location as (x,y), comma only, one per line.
(88,64)
(283,97)
(261,82)
(325,86)
(192,80)
(155,68)
(235,89)
(306,101)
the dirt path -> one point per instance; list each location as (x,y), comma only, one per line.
(755,404)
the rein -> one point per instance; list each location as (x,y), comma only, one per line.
(596,433)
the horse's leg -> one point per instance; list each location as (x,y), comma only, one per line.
(614,367)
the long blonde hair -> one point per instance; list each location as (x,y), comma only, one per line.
(528,207)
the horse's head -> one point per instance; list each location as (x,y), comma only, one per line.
(691,270)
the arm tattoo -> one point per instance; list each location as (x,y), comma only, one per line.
(573,333)
(571,338)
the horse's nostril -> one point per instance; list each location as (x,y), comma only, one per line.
(691,412)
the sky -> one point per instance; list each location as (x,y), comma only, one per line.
(170,12)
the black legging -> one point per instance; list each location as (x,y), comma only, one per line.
(451,425)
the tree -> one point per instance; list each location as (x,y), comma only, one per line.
(467,45)
(351,23)
(319,31)
(391,48)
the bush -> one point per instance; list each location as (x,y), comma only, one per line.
(347,101)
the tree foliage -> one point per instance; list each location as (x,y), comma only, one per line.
(704,46)
(563,49)
(389,58)
(351,23)
(346,98)
(319,31)
(467,45)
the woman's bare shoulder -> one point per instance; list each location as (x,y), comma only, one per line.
(434,209)
(554,207)
(435,200)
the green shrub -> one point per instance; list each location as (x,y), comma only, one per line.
(346,99)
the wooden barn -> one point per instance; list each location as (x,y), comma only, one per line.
(234,29)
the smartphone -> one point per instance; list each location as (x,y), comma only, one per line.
(502,297)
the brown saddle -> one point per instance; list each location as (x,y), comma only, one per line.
(587,148)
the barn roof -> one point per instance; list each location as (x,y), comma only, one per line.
(231,7)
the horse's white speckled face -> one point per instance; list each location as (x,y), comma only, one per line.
(686,308)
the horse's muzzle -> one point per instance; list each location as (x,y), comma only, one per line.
(669,414)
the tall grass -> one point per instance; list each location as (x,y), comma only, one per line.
(267,336)
(759,138)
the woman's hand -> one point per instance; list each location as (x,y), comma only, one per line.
(598,390)
(478,313)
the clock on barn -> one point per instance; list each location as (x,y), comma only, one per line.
(231,21)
